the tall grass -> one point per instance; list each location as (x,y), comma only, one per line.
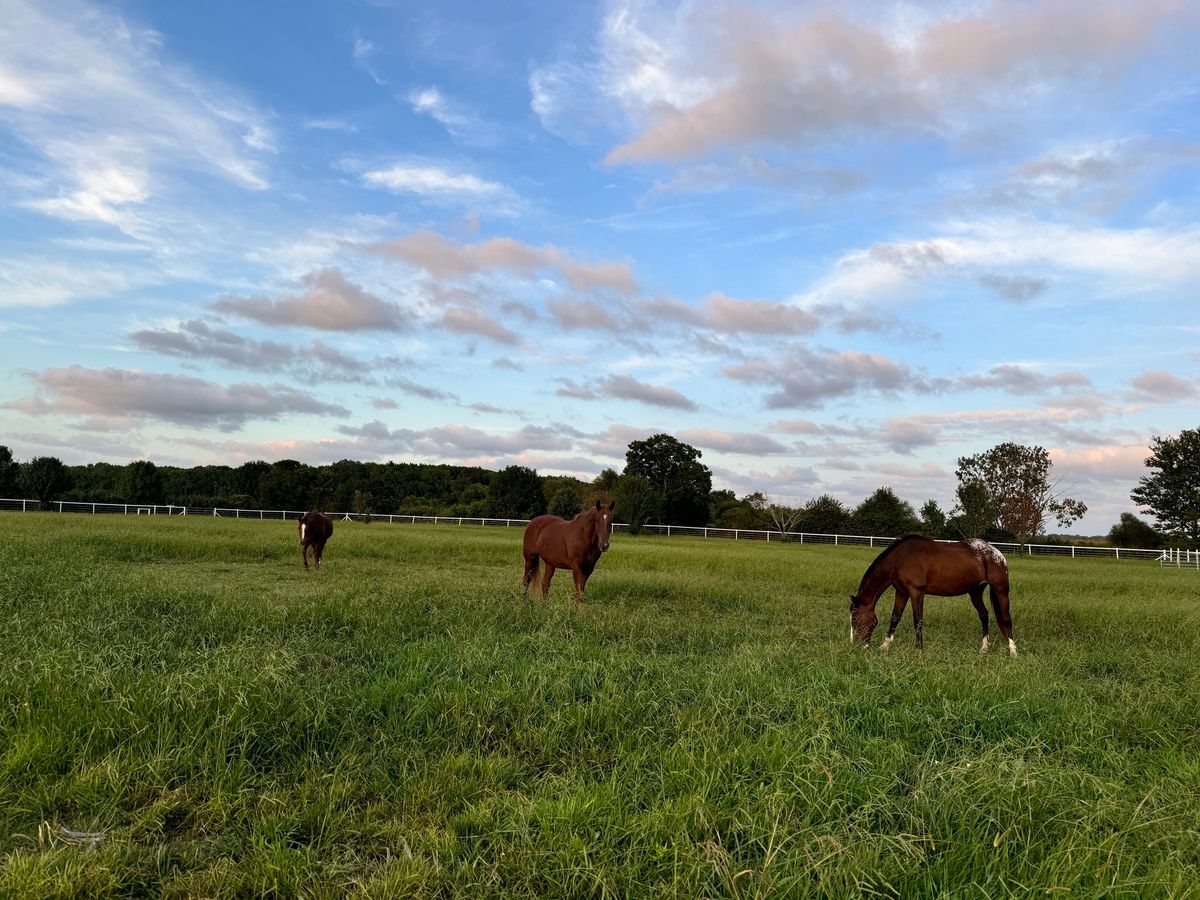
(406,723)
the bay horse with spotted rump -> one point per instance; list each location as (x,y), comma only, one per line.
(574,545)
(315,529)
(916,566)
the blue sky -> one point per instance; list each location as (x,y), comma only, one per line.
(833,246)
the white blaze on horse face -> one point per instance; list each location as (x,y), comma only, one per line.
(303,528)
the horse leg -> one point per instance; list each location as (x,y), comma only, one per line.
(318,550)
(546,576)
(918,607)
(977,602)
(304,554)
(580,583)
(1003,618)
(897,612)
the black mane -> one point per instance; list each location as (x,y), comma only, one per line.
(888,549)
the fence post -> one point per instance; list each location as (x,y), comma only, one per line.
(835,537)
(735,534)
(93,509)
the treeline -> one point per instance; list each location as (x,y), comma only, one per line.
(1004,494)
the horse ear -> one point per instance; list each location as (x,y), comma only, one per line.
(612,504)
(597,504)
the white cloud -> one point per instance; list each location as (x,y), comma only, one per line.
(111,118)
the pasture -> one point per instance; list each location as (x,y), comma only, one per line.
(404,723)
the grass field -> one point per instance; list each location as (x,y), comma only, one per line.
(405,724)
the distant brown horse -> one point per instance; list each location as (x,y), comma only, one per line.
(315,529)
(916,566)
(574,545)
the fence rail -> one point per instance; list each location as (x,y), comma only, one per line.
(1180,558)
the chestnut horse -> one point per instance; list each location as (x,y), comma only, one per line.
(315,529)
(574,545)
(916,566)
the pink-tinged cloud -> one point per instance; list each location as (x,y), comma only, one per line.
(1162,387)
(732,441)
(119,395)
(471,322)
(765,80)
(443,258)
(807,378)
(328,302)
(625,387)
(730,316)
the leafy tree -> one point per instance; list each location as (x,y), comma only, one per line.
(289,484)
(636,499)
(1172,491)
(973,516)
(45,477)
(246,477)
(674,469)
(1020,493)
(1130,531)
(141,482)
(566,502)
(516,493)
(824,515)
(883,513)
(9,469)
(725,510)
(933,520)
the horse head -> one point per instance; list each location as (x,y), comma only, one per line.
(604,520)
(862,620)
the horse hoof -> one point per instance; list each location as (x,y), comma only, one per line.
(1012,648)
(887,642)
(984,647)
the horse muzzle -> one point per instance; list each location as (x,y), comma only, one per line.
(604,547)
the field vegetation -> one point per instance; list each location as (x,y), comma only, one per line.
(405,723)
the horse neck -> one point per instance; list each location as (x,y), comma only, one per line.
(874,583)
(586,524)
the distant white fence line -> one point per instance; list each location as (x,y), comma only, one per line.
(1163,557)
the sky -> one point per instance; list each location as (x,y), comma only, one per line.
(833,246)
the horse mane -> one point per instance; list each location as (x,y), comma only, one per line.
(886,550)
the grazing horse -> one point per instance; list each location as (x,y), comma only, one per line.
(315,529)
(916,566)
(574,545)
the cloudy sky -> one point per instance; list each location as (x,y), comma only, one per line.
(833,246)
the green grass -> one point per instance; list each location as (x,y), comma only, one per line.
(404,723)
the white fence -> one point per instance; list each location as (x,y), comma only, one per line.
(1163,557)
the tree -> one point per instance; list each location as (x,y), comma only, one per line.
(933,520)
(1172,491)
(973,516)
(637,499)
(824,515)
(674,469)
(785,518)
(566,502)
(141,482)
(516,493)
(45,477)
(1130,531)
(884,514)
(1020,492)
(9,470)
